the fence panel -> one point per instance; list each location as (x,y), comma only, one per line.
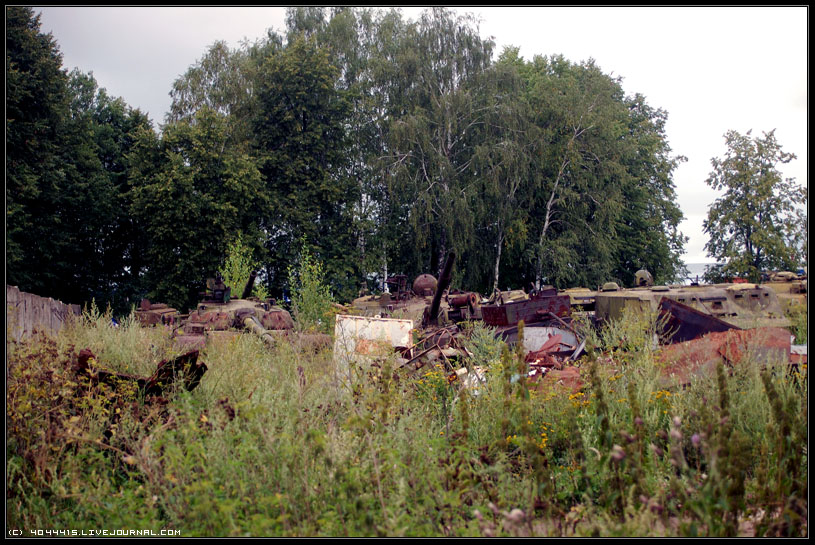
(26,312)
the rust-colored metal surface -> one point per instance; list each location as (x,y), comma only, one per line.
(213,320)
(150,314)
(425,285)
(277,320)
(697,357)
(685,323)
(218,315)
(462,299)
(566,379)
(533,310)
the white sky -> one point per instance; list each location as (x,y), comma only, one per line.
(711,69)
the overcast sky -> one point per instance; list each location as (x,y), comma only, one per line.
(711,69)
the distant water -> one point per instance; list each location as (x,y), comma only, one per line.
(696,269)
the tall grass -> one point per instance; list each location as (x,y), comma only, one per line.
(271,444)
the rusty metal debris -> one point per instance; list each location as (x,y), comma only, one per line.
(698,357)
(685,323)
(219,315)
(218,312)
(156,313)
(185,368)
(701,325)
(537,308)
(443,345)
(567,379)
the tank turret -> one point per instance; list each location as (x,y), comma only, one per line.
(404,302)
(219,315)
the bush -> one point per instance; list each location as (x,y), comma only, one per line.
(310,297)
(238,266)
(270,444)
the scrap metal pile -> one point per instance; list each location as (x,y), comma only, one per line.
(701,326)
(422,325)
(218,314)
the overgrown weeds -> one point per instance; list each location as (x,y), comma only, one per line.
(271,444)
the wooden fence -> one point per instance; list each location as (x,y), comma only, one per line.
(26,312)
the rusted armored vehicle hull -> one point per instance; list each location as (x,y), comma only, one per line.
(213,320)
(538,308)
(742,305)
(790,288)
(218,316)
(149,314)
(424,303)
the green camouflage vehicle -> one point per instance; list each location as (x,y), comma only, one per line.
(742,305)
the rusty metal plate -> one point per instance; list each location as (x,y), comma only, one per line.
(700,356)
(685,323)
(529,311)
(277,320)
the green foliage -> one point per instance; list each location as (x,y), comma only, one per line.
(798,316)
(311,299)
(36,107)
(484,346)
(300,140)
(190,195)
(430,145)
(759,223)
(223,81)
(70,235)
(598,210)
(238,266)
(353,129)
(270,444)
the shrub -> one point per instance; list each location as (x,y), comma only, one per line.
(310,297)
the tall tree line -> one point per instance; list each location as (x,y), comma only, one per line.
(377,143)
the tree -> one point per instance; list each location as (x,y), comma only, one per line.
(430,145)
(36,106)
(301,144)
(239,265)
(756,224)
(504,154)
(69,234)
(578,199)
(191,196)
(649,222)
(101,240)
(354,40)
(223,80)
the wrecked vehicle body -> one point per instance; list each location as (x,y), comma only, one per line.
(552,343)
(741,305)
(219,315)
(790,288)
(427,296)
(149,314)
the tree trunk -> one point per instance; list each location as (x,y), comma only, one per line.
(498,260)
(442,250)
(385,268)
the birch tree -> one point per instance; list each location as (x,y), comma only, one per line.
(759,212)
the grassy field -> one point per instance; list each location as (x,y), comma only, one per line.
(279,443)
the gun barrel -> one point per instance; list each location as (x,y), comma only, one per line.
(252,325)
(247,291)
(444,282)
